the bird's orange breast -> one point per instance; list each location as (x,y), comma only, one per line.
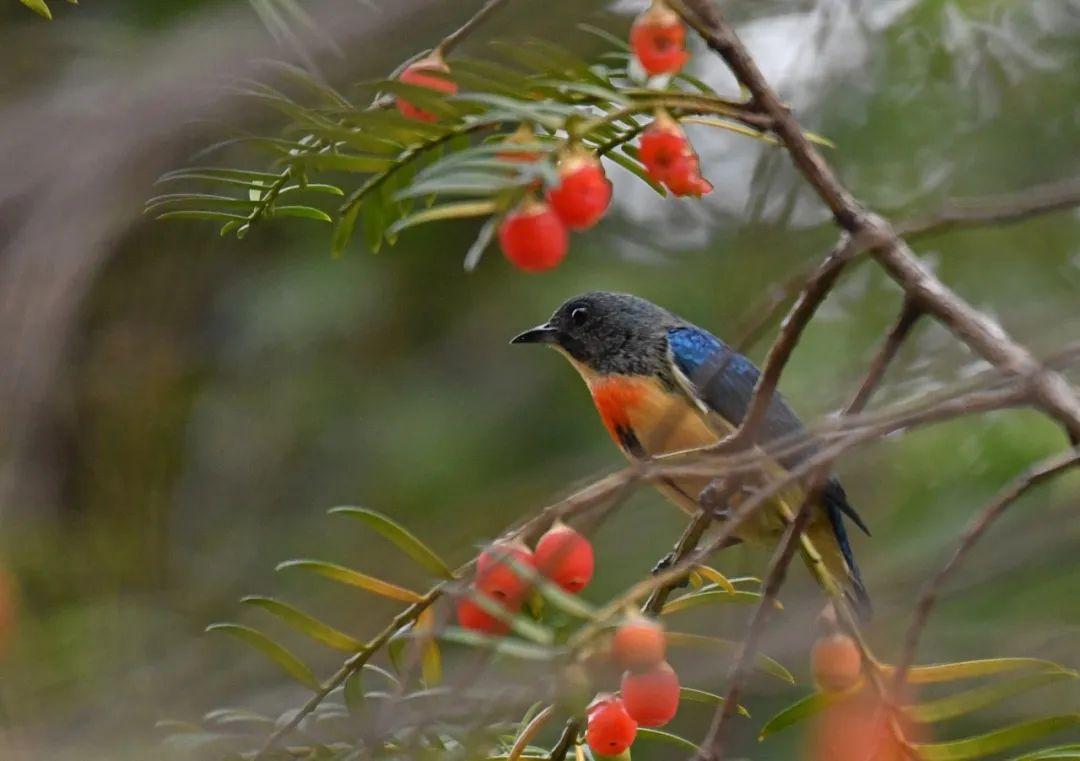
(659,420)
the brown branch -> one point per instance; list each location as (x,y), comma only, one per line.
(452,40)
(909,315)
(975,530)
(1003,209)
(712,747)
(1049,390)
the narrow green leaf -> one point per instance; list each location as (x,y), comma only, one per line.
(635,169)
(306,623)
(804,708)
(341,162)
(200,214)
(277,653)
(701,696)
(315,187)
(763,662)
(694,599)
(306,212)
(668,737)
(519,624)
(605,35)
(460,210)
(353,578)
(430,655)
(980,697)
(948,672)
(502,645)
(1058,753)
(353,693)
(373,220)
(483,240)
(459,184)
(404,539)
(223,716)
(997,741)
(39,7)
(716,577)
(343,230)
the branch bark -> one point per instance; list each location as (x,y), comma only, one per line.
(1050,391)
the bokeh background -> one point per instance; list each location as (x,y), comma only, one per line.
(178,410)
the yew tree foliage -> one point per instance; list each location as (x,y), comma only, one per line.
(424,687)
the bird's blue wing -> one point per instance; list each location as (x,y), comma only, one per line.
(724,380)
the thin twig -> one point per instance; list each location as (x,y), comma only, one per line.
(975,530)
(1001,209)
(909,315)
(452,40)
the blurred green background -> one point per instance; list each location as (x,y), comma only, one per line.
(181,409)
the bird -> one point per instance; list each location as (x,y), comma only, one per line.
(663,385)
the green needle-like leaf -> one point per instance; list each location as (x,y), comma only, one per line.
(949,672)
(980,697)
(461,210)
(997,741)
(306,623)
(503,645)
(277,653)
(763,662)
(353,578)
(695,599)
(404,539)
(701,696)
(1058,753)
(801,709)
(668,737)
(306,212)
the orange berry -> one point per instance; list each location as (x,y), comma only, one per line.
(651,697)
(583,193)
(419,73)
(533,237)
(639,644)
(565,557)
(496,575)
(609,730)
(836,662)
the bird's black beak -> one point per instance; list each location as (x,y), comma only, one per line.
(541,334)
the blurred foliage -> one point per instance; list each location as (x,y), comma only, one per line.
(223,395)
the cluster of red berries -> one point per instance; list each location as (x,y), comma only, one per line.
(535,235)
(658,40)
(648,695)
(562,555)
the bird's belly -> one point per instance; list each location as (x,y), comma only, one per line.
(646,420)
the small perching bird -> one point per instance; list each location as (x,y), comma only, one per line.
(663,385)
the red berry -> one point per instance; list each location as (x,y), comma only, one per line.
(471,616)
(566,557)
(651,697)
(533,237)
(583,193)
(658,40)
(609,730)
(669,158)
(417,73)
(497,576)
(835,662)
(639,644)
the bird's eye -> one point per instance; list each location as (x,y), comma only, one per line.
(579,316)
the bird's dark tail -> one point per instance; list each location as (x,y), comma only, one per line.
(836,506)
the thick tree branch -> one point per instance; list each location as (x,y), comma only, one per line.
(1036,474)
(1049,390)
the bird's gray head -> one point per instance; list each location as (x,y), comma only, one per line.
(609,333)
